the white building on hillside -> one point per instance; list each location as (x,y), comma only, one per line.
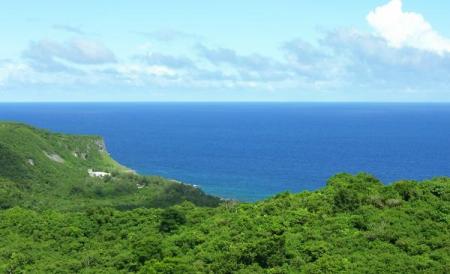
(99,174)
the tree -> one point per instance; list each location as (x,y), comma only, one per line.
(171,219)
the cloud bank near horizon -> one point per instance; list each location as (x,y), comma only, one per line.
(403,55)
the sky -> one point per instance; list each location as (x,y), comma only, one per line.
(289,51)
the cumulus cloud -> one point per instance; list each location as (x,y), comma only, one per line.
(161,59)
(230,56)
(88,52)
(245,67)
(134,71)
(53,56)
(406,29)
(403,54)
(368,60)
(20,74)
(48,62)
(12,72)
(312,63)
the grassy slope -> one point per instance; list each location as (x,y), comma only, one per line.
(51,171)
(26,150)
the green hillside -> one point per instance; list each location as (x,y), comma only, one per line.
(79,224)
(50,170)
(30,153)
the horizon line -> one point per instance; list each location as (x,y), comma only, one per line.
(225,102)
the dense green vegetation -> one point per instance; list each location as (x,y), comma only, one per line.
(355,224)
(42,170)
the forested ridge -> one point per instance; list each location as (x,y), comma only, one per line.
(42,170)
(55,218)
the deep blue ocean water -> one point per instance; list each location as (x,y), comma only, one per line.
(250,151)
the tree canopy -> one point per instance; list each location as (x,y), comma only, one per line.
(55,218)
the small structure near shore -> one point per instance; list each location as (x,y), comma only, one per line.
(98,174)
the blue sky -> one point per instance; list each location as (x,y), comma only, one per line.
(389,50)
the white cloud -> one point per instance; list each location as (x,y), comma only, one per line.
(47,54)
(139,74)
(13,72)
(403,54)
(89,52)
(368,61)
(406,29)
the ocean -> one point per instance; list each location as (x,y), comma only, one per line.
(250,151)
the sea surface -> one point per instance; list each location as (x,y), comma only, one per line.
(249,151)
